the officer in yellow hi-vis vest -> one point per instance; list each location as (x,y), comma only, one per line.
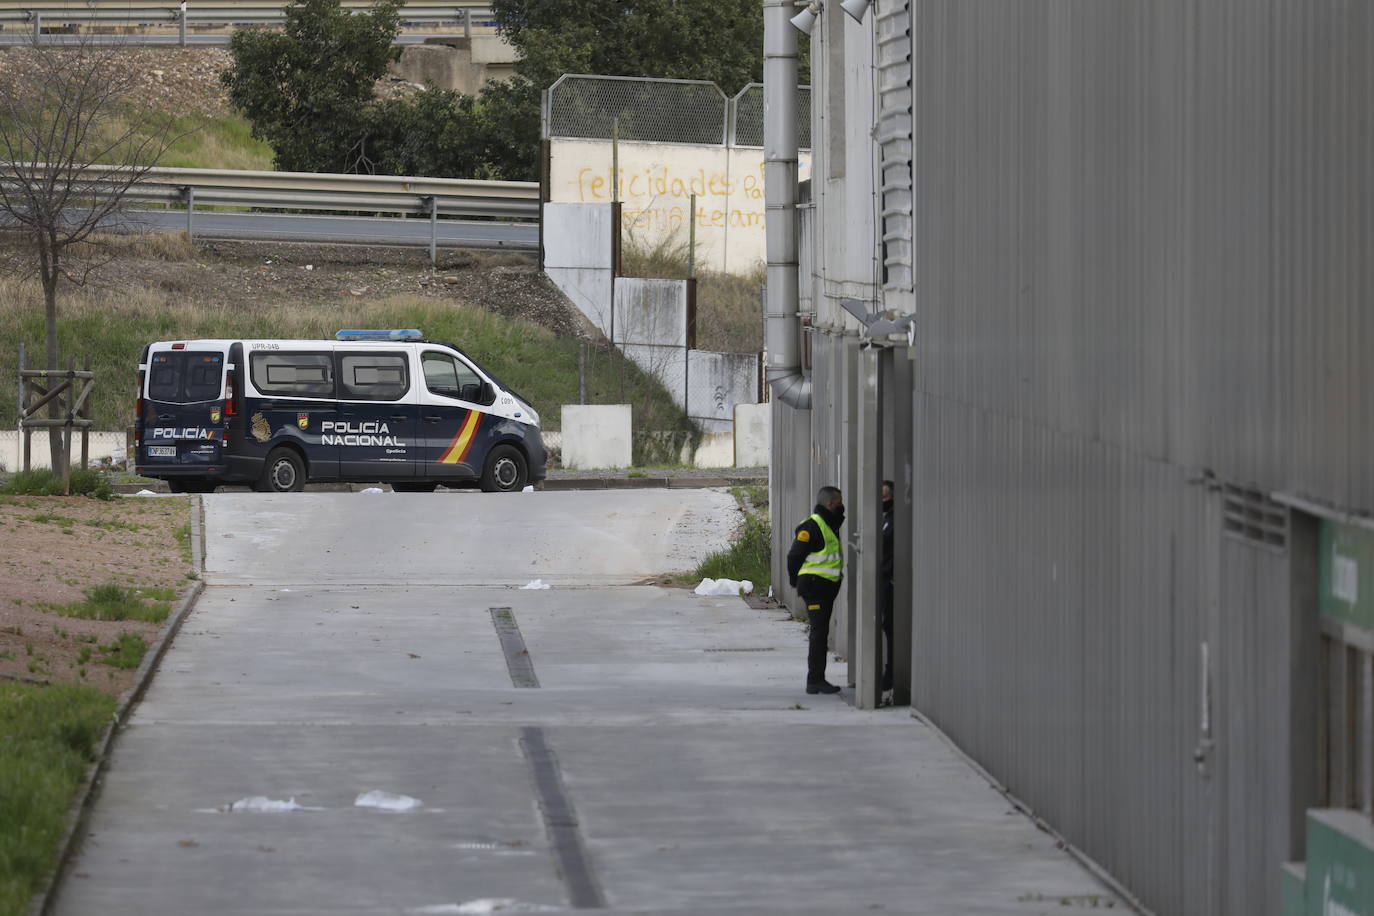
(815,567)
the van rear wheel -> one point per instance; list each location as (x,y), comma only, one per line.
(505,471)
(283,472)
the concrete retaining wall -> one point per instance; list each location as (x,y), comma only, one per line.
(104,446)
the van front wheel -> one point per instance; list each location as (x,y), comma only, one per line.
(505,471)
(284,472)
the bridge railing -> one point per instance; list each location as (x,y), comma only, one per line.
(402,195)
(462,14)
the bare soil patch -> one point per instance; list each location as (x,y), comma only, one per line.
(52,548)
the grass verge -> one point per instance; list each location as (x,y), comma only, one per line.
(749,556)
(113,326)
(50,736)
(112,601)
(43,482)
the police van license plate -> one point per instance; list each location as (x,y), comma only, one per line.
(162,451)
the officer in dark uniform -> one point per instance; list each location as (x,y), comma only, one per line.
(815,568)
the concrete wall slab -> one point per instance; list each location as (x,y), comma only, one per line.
(596,436)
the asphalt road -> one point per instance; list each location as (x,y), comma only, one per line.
(598,744)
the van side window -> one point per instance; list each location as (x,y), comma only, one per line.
(373,376)
(294,375)
(451,378)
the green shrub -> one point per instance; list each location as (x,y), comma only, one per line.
(44,482)
(112,601)
(749,557)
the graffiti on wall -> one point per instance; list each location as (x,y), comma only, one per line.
(656,183)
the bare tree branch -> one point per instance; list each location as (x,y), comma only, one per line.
(73,144)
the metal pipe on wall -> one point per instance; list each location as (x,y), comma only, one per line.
(782,326)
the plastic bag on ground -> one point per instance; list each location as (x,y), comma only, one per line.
(262,803)
(372,490)
(724,588)
(387,801)
(535,583)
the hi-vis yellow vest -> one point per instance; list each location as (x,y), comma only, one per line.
(828,560)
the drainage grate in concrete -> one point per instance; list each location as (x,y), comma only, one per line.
(560,819)
(518,660)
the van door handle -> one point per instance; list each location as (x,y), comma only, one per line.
(432,418)
(166,416)
(398,417)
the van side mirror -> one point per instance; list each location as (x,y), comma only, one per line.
(488,394)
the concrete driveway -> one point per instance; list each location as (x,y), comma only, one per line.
(597,744)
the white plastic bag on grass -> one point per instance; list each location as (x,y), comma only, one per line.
(724,588)
(535,583)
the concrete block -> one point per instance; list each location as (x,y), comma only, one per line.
(577,235)
(596,436)
(717,450)
(716,382)
(588,288)
(753,435)
(650,311)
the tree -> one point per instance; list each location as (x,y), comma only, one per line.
(73,145)
(308,89)
(717,40)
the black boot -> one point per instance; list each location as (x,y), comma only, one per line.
(822,687)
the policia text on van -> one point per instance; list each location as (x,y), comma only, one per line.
(369,406)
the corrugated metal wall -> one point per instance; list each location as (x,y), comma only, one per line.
(1143,236)
(1142,272)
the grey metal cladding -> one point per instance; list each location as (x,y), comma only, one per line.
(1147,224)
(1142,251)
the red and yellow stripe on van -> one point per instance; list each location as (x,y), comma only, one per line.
(462,443)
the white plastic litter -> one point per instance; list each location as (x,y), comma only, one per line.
(371,490)
(147,493)
(387,801)
(262,803)
(486,905)
(535,583)
(723,588)
(528,489)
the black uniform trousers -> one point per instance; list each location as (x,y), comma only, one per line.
(819,594)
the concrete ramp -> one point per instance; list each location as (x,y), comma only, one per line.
(388,539)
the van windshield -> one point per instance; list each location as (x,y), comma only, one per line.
(185,376)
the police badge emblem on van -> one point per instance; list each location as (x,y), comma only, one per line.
(303,420)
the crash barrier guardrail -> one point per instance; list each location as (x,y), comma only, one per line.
(224,13)
(402,195)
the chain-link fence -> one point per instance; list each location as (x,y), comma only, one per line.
(746,121)
(662,111)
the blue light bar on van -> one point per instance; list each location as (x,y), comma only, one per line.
(398,334)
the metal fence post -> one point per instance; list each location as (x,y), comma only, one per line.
(67,429)
(20,429)
(181,24)
(188,193)
(433,230)
(37,28)
(581,371)
(84,412)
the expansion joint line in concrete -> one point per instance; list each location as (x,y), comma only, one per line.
(560,819)
(513,644)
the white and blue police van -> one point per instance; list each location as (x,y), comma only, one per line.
(369,406)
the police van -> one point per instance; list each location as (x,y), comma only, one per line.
(385,406)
